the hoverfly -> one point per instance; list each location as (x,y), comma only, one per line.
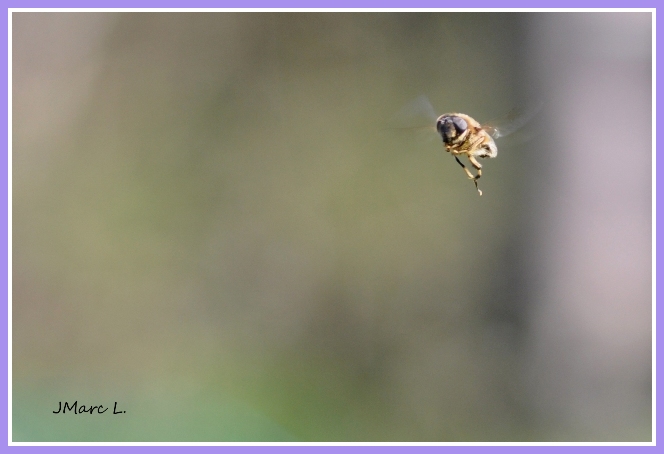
(463,135)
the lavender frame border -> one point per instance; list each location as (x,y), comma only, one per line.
(265,4)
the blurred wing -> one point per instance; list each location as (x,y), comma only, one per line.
(514,121)
(416,114)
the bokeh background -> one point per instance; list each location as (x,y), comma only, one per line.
(213,227)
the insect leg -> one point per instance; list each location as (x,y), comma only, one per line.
(478,166)
(470,175)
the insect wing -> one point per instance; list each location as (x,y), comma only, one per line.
(416,114)
(514,121)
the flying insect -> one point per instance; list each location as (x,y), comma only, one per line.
(463,135)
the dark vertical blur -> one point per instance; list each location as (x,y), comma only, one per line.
(213,227)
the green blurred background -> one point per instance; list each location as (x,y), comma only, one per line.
(213,227)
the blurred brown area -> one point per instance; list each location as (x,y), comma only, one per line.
(209,204)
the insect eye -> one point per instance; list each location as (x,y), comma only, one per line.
(459,124)
(446,129)
(449,127)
